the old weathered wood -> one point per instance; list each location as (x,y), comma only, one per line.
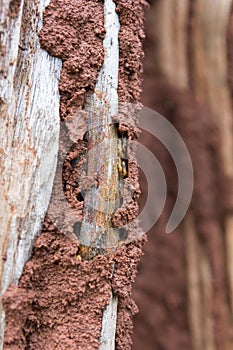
(193,280)
(100,202)
(107,340)
(97,232)
(29,131)
(171,18)
(199,290)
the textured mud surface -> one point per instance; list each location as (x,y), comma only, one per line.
(74,32)
(59,301)
(131,14)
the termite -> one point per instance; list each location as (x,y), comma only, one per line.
(122,150)
(122,168)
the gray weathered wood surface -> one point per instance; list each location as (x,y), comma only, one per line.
(29,132)
(104,106)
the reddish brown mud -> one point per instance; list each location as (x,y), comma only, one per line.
(59,301)
(74,32)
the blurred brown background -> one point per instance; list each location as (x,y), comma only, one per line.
(184,289)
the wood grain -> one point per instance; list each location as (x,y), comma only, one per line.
(29,131)
(171,18)
(97,234)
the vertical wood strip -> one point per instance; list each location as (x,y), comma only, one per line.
(100,202)
(97,233)
(171,17)
(193,281)
(207,302)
